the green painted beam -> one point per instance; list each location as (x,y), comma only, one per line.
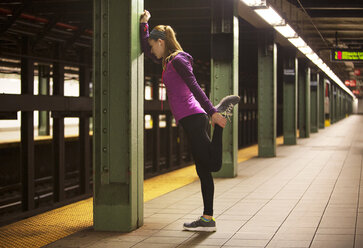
(224,75)
(267,93)
(314,102)
(118,116)
(304,99)
(321,101)
(290,80)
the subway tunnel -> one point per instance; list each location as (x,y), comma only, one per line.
(85,119)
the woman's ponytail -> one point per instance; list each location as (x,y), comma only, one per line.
(172,46)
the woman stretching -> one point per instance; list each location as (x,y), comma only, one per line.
(190,107)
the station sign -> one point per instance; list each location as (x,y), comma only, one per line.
(346,55)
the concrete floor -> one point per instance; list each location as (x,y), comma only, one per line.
(307,196)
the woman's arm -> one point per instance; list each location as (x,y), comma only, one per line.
(184,68)
(144,35)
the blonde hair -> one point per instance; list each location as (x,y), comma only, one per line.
(172,46)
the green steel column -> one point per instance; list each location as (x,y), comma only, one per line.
(347,105)
(314,102)
(332,103)
(43,82)
(321,101)
(224,75)
(304,99)
(334,110)
(343,105)
(267,93)
(290,96)
(118,116)
(341,109)
(338,104)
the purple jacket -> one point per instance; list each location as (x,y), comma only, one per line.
(184,93)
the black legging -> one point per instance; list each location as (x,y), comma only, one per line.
(207,154)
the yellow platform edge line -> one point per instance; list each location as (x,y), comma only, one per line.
(45,228)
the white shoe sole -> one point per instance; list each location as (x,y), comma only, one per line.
(201,229)
(234,103)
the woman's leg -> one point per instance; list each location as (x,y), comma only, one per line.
(216,149)
(195,127)
(206,152)
(207,187)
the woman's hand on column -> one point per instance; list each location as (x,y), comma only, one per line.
(218,119)
(144,18)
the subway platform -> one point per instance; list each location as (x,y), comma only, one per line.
(307,196)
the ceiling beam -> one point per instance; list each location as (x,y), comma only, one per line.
(335,13)
(12,19)
(42,33)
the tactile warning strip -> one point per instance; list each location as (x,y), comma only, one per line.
(48,227)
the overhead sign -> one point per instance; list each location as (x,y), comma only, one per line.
(289,72)
(347,55)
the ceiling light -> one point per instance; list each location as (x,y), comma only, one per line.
(298,42)
(319,62)
(254,3)
(286,31)
(312,56)
(270,16)
(306,50)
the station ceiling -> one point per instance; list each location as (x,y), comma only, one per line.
(51,24)
(334,24)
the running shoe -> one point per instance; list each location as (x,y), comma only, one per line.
(226,105)
(201,225)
